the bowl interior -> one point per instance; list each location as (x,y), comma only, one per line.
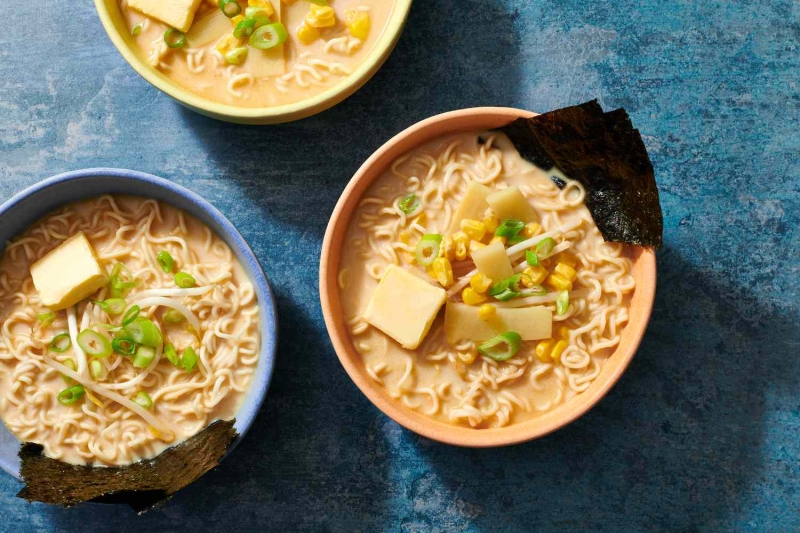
(21,211)
(114,24)
(463,121)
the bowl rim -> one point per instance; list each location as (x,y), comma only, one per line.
(265,115)
(269,315)
(413,136)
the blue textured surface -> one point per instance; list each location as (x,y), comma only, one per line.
(702,431)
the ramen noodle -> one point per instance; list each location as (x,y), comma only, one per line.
(255,53)
(477,291)
(127,326)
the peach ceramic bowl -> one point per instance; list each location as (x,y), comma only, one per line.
(476,119)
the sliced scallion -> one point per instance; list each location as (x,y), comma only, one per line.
(409,204)
(175,38)
(545,246)
(131,315)
(124,346)
(562,303)
(230,8)
(71,395)
(97,370)
(184,280)
(72,365)
(115,306)
(144,356)
(189,359)
(136,30)
(501,348)
(172,355)
(509,228)
(173,316)
(144,331)
(532,258)
(143,399)
(245,27)
(269,36)
(46,319)
(165,261)
(93,343)
(236,56)
(428,248)
(61,343)
(121,281)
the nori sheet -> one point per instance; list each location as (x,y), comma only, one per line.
(606,154)
(141,485)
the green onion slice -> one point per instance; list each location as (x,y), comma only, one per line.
(172,355)
(71,395)
(97,370)
(144,331)
(136,30)
(72,365)
(165,261)
(531,258)
(269,36)
(428,248)
(501,348)
(237,56)
(189,359)
(245,27)
(230,8)
(94,344)
(61,343)
(505,289)
(409,204)
(176,38)
(184,280)
(174,317)
(131,315)
(562,303)
(143,399)
(46,319)
(121,281)
(545,246)
(509,228)
(124,346)
(144,356)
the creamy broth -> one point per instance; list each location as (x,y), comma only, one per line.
(96,429)
(308,68)
(451,383)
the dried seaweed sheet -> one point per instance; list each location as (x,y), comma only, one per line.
(606,154)
(141,485)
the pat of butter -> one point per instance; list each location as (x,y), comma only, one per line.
(404,306)
(177,13)
(68,273)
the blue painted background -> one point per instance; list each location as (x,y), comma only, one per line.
(703,431)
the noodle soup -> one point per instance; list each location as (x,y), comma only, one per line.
(477,291)
(128,326)
(256,53)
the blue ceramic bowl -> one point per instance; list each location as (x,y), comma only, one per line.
(18,213)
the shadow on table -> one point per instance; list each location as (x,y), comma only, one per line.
(675,446)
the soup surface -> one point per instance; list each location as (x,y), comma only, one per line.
(580,280)
(127,407)
(321,48)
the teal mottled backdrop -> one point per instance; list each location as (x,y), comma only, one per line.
(703,431)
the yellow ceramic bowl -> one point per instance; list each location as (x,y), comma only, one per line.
(481,118)
(112,20)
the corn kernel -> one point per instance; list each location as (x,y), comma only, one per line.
(490,222)
(558,349)
(320,16)
(404,237)
(237,19)
(467,357)
(565,271)
(266,4)
(475,230)
(460,236)
(227,43)
(537,274)
(543,350)
(307,34)
(443,271)
(358,23)
(480,283)
(448,248)
(531,229)
(475,245)
(563,332)
(497,238)
(558,282)
(487,312)
(462,243)
(471,297)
